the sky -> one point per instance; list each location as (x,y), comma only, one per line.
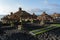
(31,6)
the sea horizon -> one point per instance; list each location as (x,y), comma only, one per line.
(1,16)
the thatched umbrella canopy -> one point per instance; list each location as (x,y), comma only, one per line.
(44,16)
(19,14)
(55,15)
(34,16)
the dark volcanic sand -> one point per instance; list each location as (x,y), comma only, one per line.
(50,35)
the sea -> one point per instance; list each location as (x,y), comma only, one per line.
(1,16)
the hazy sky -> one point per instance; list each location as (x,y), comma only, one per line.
(50,6)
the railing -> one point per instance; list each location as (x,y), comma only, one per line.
(42,30)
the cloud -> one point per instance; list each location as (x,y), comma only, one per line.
(35,10)
(46,2)
(7,6)
(6,9)
(55,5)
